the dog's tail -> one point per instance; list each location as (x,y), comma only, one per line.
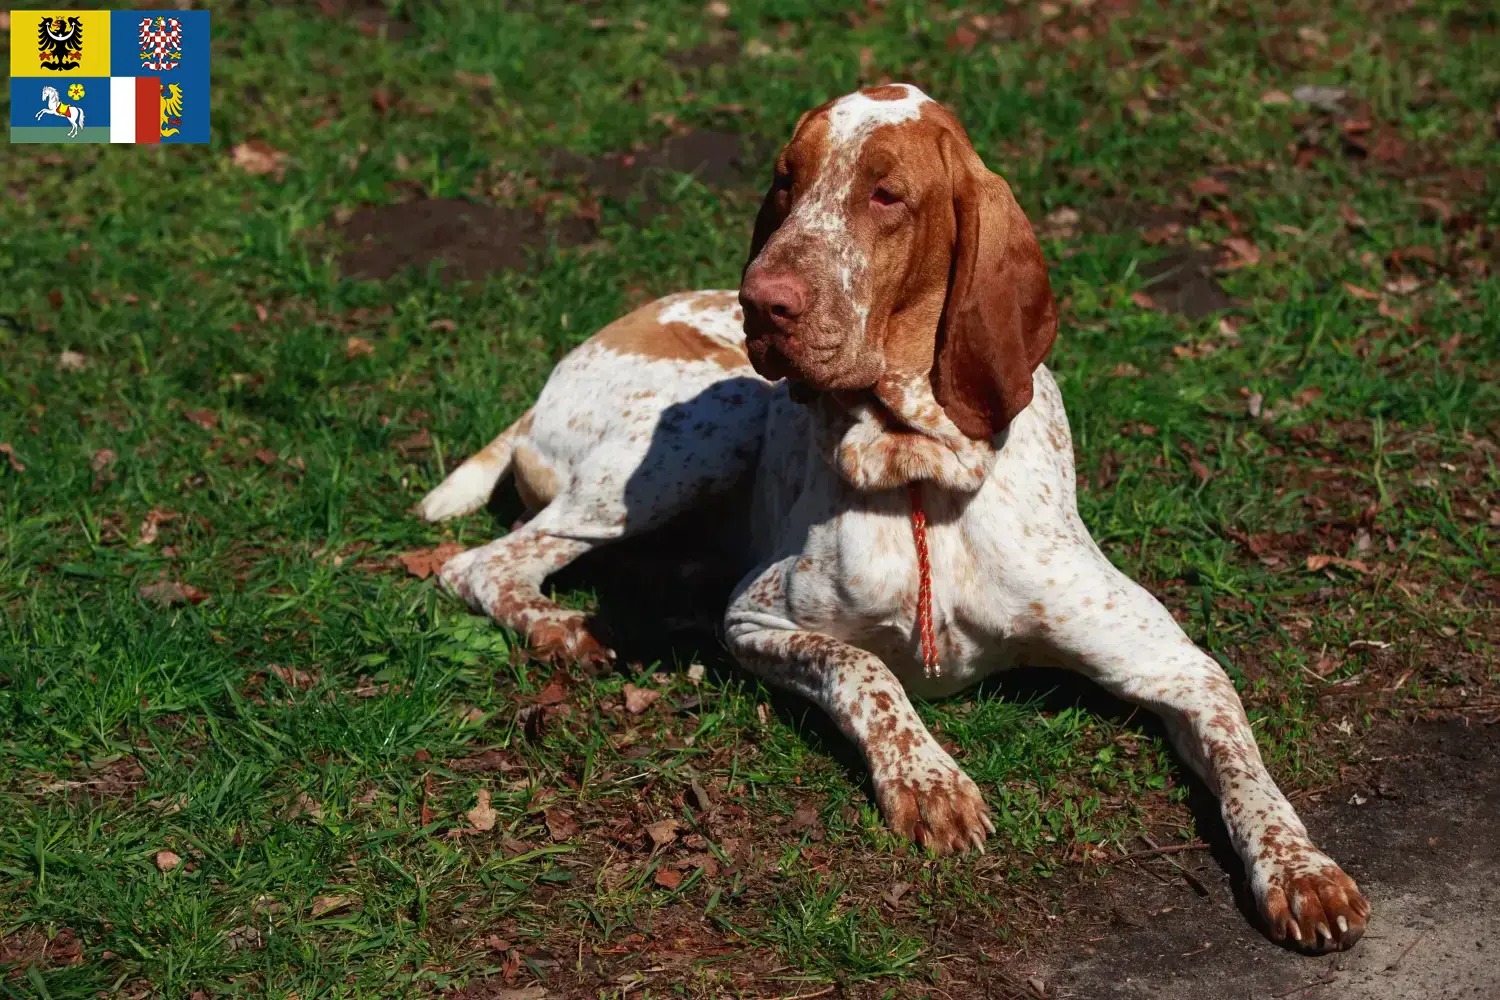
(469,486)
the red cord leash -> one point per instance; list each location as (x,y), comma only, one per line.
(930,665)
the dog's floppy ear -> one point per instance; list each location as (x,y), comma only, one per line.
(999,320)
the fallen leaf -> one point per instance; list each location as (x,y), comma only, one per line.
(1246,254)
(71,361)
(1361,293)
(1124,369)
(443,325)
(667,878)
(380,100)
(102,460)
(207,419)
(805,816)
(246,937)
(166,861)
(1327,99)
(1200,470)
(1275,97)
(305,805)
(422,563)
(358,347)
(481,81)
(716,9)
(167,593)
(323,905)
(265,456)
(696,672)
(1208,186)
(259,158)
(299,680)
(1403,285)
(482,817)
(663,831)
(420,441)
(1143,300)
(1164,233)
(560,824)
(10,453)
(637,700)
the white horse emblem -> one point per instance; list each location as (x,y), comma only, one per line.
(72,112)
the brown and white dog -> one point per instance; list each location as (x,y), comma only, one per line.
(889,331)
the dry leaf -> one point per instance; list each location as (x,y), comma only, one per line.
(323,905)
(1124,369)
(1208,187)
(637,700)
(481,81)
(1404,285)
(10,453)
(663,831)
(246,937)
(1164,233)
(443,325)
(207,419)
(166,861)
(482,817)
(102,460)
(1200,470)
(358,347)
(1143,300)
(1275,97)
(555,693)
(1361,293)
(420,441)
(560,824)
(696,672)
(259,158)
(166,593)
(716,9)
(667,878)
(299,680)
(422,563)
(1246,254)
(265,456)
(1351,218)
(305,805)
(71,361)
(1318,562)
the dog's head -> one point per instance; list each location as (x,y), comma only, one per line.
(885,251)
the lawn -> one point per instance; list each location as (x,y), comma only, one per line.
(247,748)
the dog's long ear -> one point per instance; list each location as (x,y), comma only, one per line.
(999,320)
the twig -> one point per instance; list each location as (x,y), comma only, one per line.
(1331,977)
(1402,957)
(1196,845)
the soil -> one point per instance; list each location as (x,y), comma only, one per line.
(718,159)
(1182,282)
(469,239)
(1416,830)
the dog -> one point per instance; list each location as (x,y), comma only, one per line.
(876,392)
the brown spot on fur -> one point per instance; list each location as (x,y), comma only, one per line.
(642,333)
(536,481)
(888,92)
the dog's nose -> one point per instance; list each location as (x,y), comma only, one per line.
(778,298)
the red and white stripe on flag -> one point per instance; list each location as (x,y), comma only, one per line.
(135,109)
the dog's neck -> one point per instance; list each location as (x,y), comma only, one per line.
(896,434)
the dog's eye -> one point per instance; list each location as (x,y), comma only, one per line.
(883,196)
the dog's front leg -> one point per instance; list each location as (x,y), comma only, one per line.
(1108,627)
(921,790)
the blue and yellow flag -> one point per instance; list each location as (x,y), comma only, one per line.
(109,76)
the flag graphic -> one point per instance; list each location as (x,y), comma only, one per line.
(134,109)
(109,76)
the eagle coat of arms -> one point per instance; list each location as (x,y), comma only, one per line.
(59,42)
(161,43)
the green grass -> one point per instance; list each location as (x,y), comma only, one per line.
(190,284)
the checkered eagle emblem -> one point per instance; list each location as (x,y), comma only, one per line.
(161,43)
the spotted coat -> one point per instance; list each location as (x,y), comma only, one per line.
(823,419)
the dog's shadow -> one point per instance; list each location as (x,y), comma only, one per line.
(660,599)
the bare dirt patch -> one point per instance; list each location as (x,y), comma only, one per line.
(1182,282)
(718,159)
(1414,829)
(468,239)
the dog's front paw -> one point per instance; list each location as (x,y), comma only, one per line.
(1308,901)
(566,638)
(936,805)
